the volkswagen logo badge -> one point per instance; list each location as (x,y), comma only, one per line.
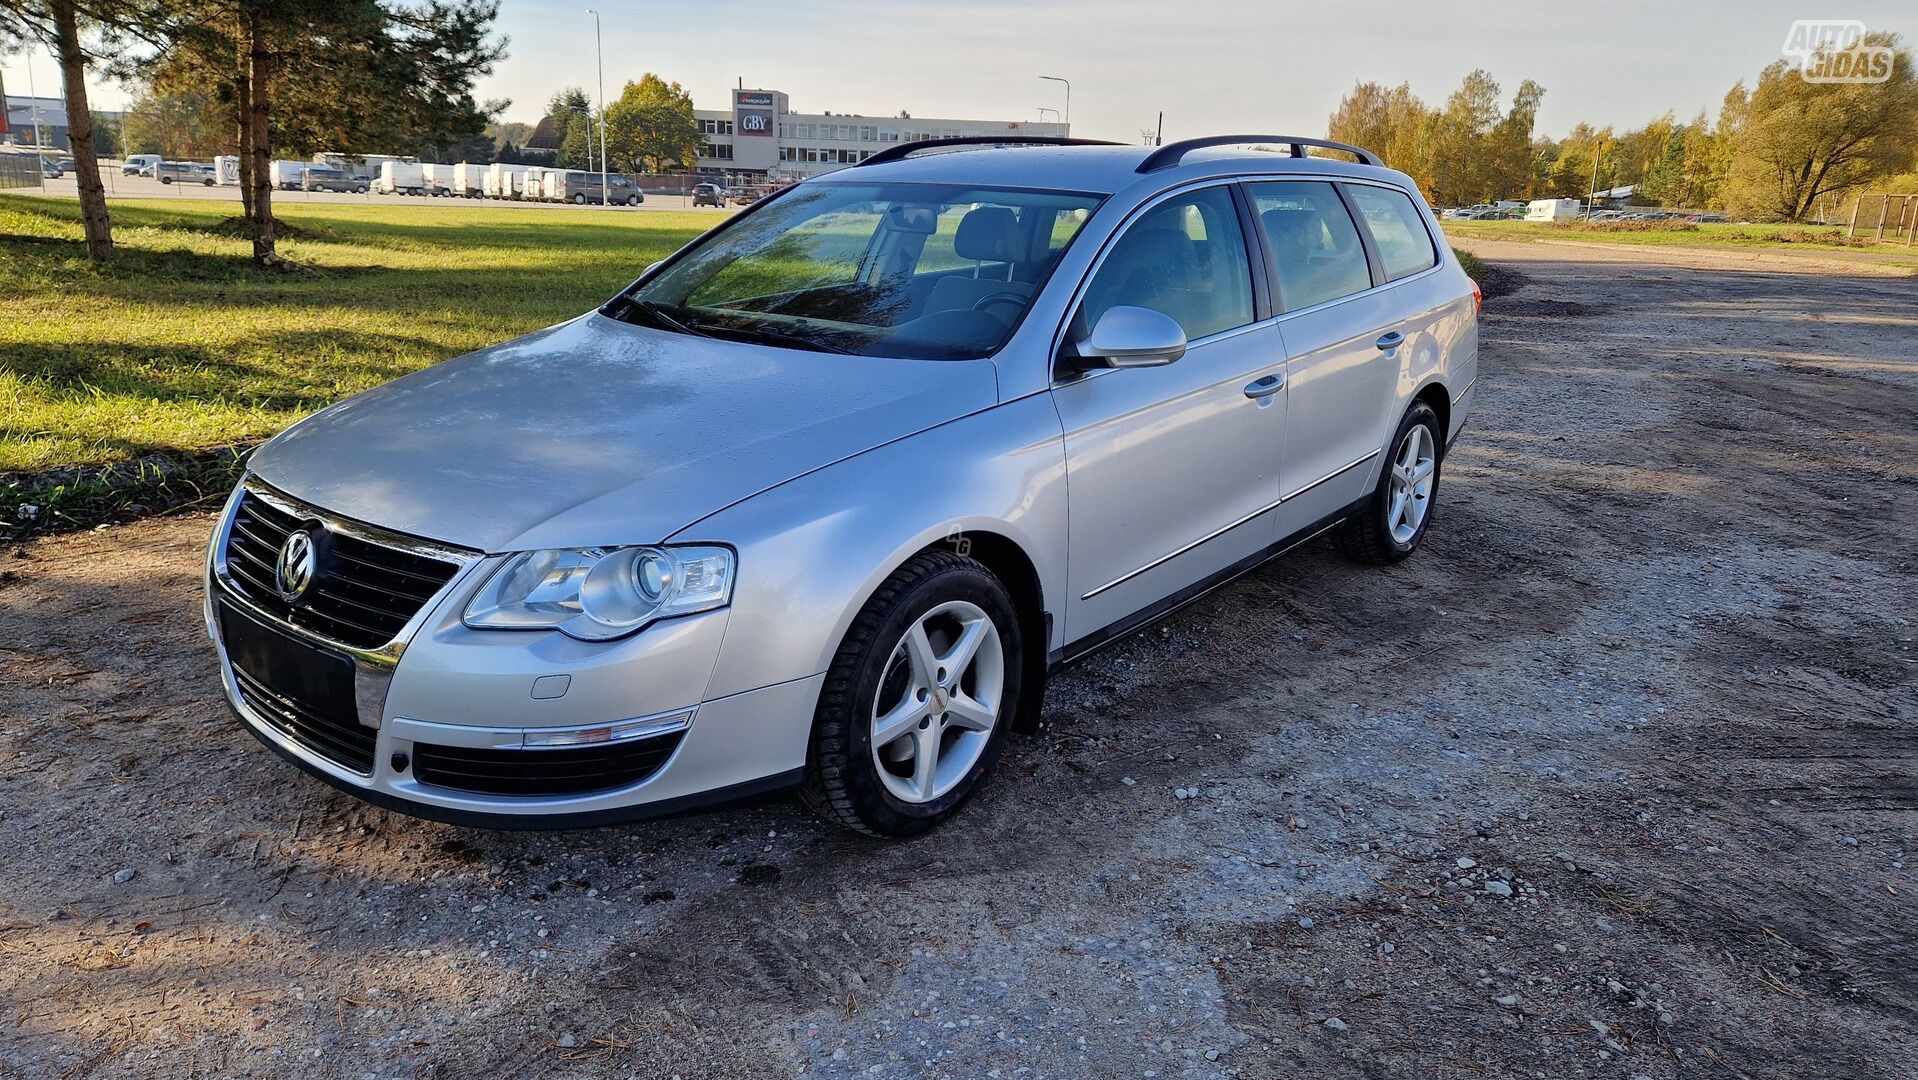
(293,572)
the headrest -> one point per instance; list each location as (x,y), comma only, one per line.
(1298,227)
(988,234)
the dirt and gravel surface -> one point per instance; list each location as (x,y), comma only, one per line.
(1615,778)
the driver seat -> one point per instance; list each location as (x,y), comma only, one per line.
(987,234)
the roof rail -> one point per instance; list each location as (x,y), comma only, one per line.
(901,151)
(1172,153)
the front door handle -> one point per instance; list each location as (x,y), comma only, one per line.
(1390,341)
(1266,387)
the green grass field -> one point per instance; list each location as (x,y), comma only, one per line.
(181,345)
(1788,238)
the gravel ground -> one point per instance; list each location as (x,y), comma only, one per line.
(1614,779)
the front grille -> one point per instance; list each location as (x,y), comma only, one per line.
(304,693)
(362,593)
(571,771)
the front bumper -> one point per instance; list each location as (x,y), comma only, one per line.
(441,690)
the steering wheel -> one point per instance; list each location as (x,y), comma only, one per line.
(1003,296)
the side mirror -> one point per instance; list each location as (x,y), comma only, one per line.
(1132,337)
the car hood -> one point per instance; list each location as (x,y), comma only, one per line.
(597,432)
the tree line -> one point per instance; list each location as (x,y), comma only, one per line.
(270,77)
(1786,149)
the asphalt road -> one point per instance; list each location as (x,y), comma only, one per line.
(140,187)
(1614,779)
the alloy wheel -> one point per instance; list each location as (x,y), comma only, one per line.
(938,701)
(1413,469)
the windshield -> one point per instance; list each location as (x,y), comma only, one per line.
(929,271)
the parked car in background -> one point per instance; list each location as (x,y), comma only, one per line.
(792,510)
(50,169)
(184,172)
(709,195)
(138,164)
(583,188)
(328,178)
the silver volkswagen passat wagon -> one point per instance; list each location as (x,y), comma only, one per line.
(817,502)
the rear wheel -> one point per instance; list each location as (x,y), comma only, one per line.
(1400,509)
(916,704)
(579,200)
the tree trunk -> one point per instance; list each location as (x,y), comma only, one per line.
(243,131)
(86,163)
(255,44)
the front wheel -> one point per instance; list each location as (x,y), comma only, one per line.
(1396,516)
(916,705)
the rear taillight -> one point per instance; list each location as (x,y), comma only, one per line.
(1478,299)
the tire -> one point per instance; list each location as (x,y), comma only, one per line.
(1380,535)
(633,200)
(845,782)
(580,199)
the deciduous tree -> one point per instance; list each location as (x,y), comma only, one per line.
(1800,140)
(651,126)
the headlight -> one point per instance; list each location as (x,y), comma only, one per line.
(597,594)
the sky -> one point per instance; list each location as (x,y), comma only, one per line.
(1213,67)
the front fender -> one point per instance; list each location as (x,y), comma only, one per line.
(812,550)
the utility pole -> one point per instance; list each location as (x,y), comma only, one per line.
(34,96)
(1591,193)
(605,188)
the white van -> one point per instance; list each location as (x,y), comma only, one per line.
(1552,210)
(465,180)
(288,175)
(504,181)
(400,178)
(139,164)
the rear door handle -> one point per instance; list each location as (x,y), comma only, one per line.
(1390,341)
(1266,387)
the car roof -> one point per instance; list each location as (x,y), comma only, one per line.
(1100,169)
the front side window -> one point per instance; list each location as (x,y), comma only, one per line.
(931,271)
(1184,257)
(1397,228)
(1315,246)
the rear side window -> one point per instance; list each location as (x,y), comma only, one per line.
(1185,257)
(1315,246)
(1397,227)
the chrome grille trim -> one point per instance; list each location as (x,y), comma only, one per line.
(235,588)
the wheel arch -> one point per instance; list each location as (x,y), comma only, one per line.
(1013,566)
(1435,395)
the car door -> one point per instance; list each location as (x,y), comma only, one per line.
(1169,469)
(1342,362)
(1435,309)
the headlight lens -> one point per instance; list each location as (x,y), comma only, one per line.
(597,594)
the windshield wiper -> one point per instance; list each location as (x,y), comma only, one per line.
(767,336)
(662,317)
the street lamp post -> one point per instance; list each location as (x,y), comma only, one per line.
(605,189)
(1591,199)
(1068,82)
